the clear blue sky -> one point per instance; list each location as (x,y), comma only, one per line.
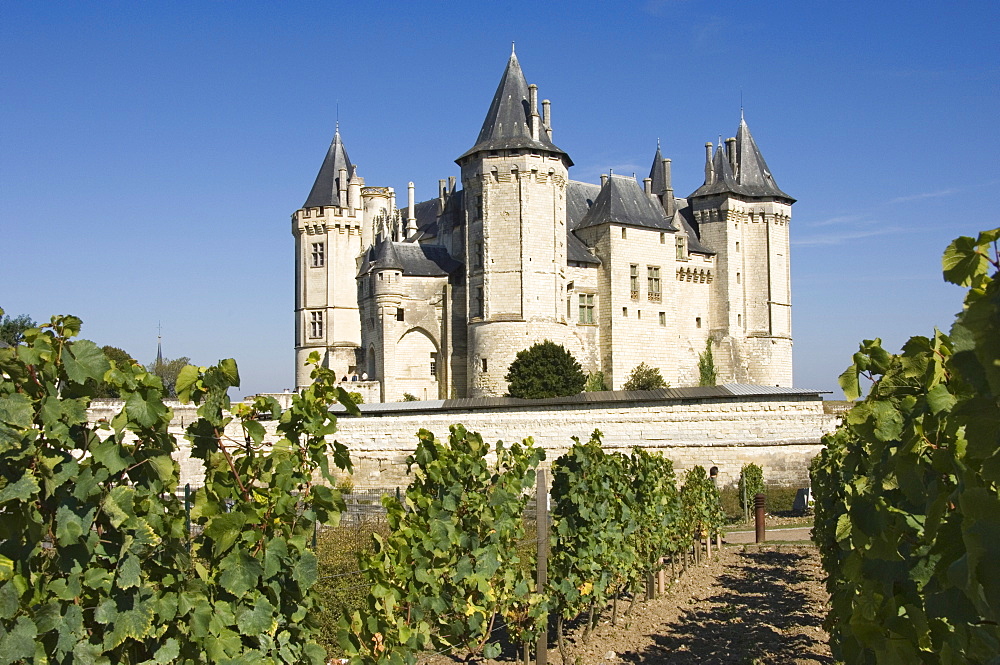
(151,153)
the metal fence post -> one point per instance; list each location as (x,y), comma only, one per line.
(187,512)
(542,532)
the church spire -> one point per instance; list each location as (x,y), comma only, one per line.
(508,123)
(326,190)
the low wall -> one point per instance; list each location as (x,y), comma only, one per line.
(723,427)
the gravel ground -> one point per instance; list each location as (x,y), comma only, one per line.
(748,606)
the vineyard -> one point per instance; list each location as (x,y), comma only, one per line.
(101,561)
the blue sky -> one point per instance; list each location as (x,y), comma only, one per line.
(152,153)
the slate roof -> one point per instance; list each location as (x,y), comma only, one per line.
(684,219)
(325,191)
(657,173)
(425,260)
(622,201)
(412,258)
(752,177)
(618,398)
(507,123)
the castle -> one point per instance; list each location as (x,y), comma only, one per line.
(436,298)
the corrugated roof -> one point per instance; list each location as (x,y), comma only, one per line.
(617,397)
(507,123)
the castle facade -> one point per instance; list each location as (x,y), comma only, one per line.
(435,298)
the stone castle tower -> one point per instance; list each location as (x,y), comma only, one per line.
(435,300)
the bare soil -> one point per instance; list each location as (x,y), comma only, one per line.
(749,605)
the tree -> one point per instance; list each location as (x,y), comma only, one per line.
(546,369)
(595,382)
(644,377)
(121,360)
(706,366)
(12,328)
(168,371)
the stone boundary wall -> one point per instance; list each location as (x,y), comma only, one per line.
(781,433)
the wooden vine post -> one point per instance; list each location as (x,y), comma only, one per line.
(542,534)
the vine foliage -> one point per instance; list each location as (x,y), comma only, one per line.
(96,561)
(908,488)
(450,567)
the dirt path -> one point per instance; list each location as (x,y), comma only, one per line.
(748,606)
(755,607)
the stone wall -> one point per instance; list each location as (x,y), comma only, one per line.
(781,432)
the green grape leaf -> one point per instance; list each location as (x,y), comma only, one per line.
(259,619)
(16,409)
(18,644)
(85,360)
(963,261)
(240,572)
(21,490)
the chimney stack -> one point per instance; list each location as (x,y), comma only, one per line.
(731,152)
(547,117)
(668,194)
(342,187)
(411,217)
(709,169)
(604,179)
(533,105)
(647,186)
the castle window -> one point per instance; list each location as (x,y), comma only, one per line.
(663,238)
(479,255)
(663,318)
(318,255)
(681,250)
(484,364)
(623,234)
(624,311)
(479,207)
(737,245)
(569,307)
(697,322)
(739,320)
(316,324)
(633,280)
(400,314)
(477,305)
(739,278)
(653,279)
(434,363)
(586,308)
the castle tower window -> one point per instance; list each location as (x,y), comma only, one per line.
(697,322)
(739,278)
(624,311)
(623,234)
(315,324)
(479,255)
(737,245)
(477,305)
(739,320)
(569,307)
(484,364)
(434,363)
(318,255)
(400,314)
(663,238)
(586,308)
(663,318)
(653,278)
(633,280)
(681,250)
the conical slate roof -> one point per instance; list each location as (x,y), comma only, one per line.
(657,173)
(752,177)
(386,257)
(325,191)
(507,124)
(622,201)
